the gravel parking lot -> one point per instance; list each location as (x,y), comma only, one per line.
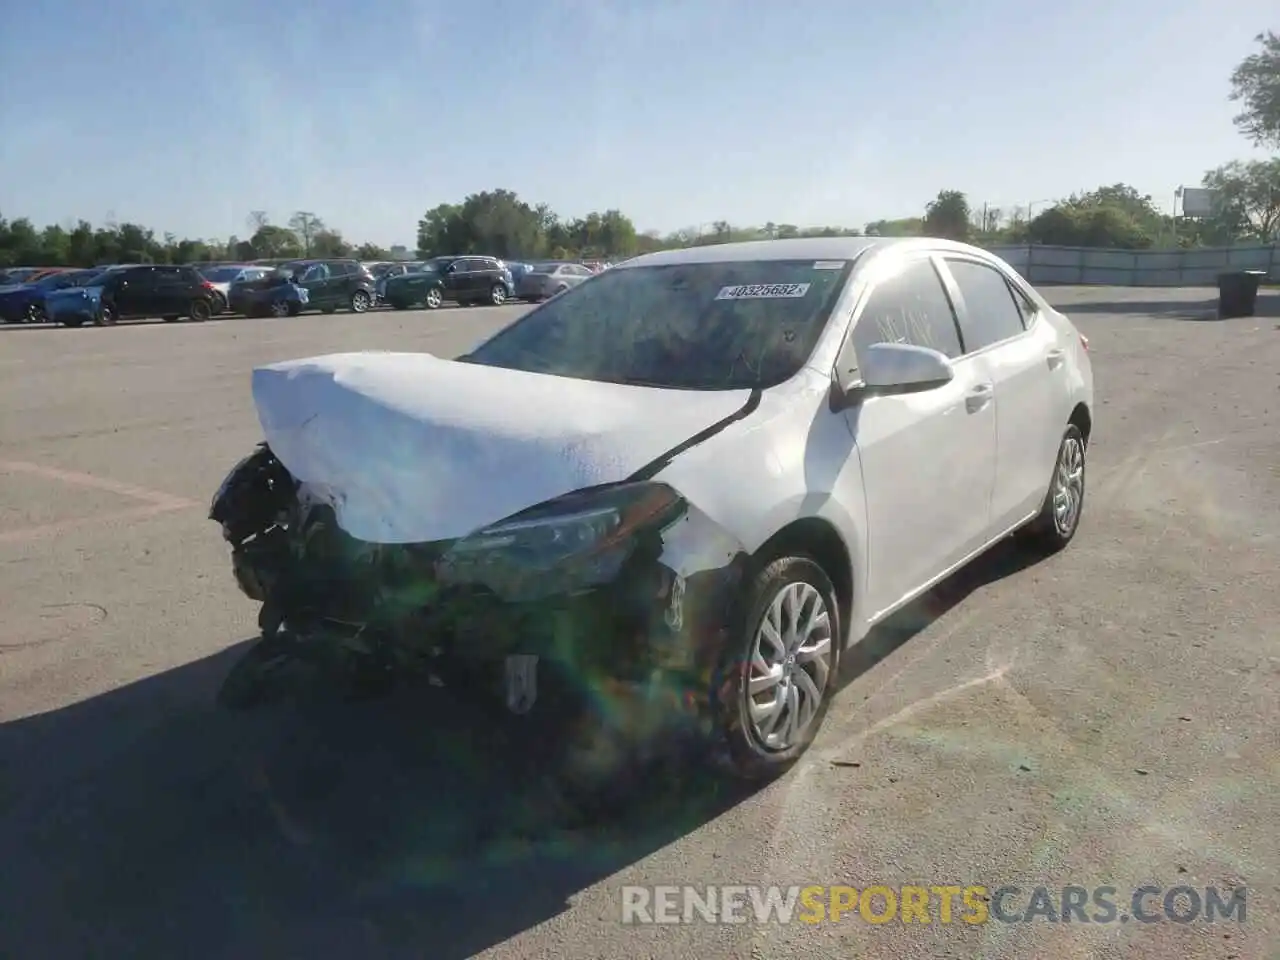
(1106,717)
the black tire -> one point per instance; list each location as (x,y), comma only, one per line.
(283,308)
(36,314)
(1053,528)
(107,316)
(498,294)
(740,751)
(434,299)
(200,310)
(361,300)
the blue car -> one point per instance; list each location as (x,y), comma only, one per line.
(29,303)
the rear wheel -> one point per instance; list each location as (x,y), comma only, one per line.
(281,308)
(107,315)
(361,301)
(200,310)
(1059,518)
(498,294)
(434,298)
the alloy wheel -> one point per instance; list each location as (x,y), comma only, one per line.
(790,665)
(1068,486)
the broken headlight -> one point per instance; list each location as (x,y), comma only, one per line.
(571,543)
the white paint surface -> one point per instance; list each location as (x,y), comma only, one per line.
(410,448)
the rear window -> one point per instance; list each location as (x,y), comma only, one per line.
(696,326)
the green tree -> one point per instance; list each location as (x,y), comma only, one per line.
(1255,85)
(306,226)
(948,216)
(1247,201)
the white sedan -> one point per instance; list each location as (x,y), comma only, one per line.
(672,496)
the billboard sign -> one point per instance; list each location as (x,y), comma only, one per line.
(1198,202)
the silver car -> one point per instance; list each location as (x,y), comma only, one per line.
(549,279)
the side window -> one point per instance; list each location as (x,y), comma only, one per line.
(911,307)
(990,312)
(338,268)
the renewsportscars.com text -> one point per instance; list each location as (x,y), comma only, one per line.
(943,903)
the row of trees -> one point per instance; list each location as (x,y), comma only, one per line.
(84,245)
(499,222)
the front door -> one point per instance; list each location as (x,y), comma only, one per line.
(1026,376)
(315,280)
(928,458)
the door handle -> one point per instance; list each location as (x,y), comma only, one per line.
(1055,358)
(978,397)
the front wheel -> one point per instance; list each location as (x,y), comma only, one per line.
(1059,518)
(361,301)
(434,299)
(281,308)
(498,294)
(776,678)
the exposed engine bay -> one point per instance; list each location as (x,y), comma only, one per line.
(623,591)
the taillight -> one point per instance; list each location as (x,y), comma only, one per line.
(1084,342)
(208,286)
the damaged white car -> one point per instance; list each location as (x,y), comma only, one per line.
(670,497)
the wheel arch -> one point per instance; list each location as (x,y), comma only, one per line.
(818,539)
(1082,419)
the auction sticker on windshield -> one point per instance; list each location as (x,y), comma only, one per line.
(763,291)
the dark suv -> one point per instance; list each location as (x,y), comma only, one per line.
(327,284)
(464,280)
(139,292)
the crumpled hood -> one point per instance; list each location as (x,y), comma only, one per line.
(409,447)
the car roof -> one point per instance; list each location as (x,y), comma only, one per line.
(799,248)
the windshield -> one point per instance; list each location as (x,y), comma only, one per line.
(82,278)
(221,274)
(696,326)
(53,281)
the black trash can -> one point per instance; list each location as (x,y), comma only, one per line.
(1238,293)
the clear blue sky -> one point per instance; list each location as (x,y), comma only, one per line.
(186,116)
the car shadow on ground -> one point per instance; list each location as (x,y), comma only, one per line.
(143,823)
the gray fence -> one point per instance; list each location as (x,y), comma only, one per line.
(1136,268)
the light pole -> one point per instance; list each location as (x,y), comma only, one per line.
(1032,205)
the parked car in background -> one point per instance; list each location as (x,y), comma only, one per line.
(549,279)
(462,280)
(222,276)
(135,292)
(296,285)
(25,303)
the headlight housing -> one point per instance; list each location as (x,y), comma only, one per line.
(569,544)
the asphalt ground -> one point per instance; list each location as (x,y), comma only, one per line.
(1107,717)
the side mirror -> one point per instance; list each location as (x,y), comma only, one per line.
(897,368)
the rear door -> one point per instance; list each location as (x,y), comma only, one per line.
(174,290)
(1027,371)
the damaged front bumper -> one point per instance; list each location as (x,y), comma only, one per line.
(600,596)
